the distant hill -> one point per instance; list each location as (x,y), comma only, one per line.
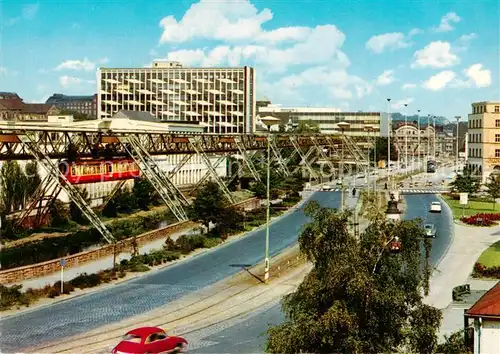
(396,116)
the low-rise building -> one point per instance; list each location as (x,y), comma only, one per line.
(483,144)
(86,105)
(13,108)
(485,317)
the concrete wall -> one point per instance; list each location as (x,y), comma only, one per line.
(40,269)
(490,337)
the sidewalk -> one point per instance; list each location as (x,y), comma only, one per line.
(454,269)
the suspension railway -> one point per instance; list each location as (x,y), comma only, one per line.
(71,156)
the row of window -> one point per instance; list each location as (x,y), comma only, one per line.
(104,168)
(477,152)
(484,109)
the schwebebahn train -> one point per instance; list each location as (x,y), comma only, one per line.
(94,171)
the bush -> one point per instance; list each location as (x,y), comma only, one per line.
(12,296)
(85,280)
(481,219)
(487,272)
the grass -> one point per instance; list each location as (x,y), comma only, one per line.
(491,257)
(471,209)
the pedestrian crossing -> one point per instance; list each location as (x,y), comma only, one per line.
(422,191)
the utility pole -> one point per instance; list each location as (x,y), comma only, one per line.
(456,143)
(389,128)
(435,137)
(406,138)
(418,140)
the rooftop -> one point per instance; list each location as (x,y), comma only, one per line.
(59,97)
(488,305)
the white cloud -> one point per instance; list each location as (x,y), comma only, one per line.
(103,61)
(78,65)
(463,42)
(435,55)
(378,44)
(439,81)
(70,81)
(447,21)
(476,77)
(414,32)
(400,104)
(385,78)
(408,86)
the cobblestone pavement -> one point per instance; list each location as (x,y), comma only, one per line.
(82,314)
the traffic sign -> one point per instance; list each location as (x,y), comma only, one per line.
(62,262)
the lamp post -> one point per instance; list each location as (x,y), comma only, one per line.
(418,140)
(456,143)
(342,126)
(434,137)
(389,128)
(428,136)
(406,138)
(268,121)
(370,128)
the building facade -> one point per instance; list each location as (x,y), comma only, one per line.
(82,104)
(327,119)
(408,133)
(483,155)
(222,98)
(13,108)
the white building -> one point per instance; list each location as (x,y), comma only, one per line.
(223,98)
(409,133)
(485,315)
(326,118)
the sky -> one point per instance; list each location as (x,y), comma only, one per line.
(435,56)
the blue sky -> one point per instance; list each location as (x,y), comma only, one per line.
(436,56)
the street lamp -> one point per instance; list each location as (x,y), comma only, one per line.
(434,137)
(406,137)
(418,141)
(342,126)
(370,128)
(268,121)
(389,128)
(456,143)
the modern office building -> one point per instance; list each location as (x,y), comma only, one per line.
(327,119)
(484,139)
(82,104)
(223,98)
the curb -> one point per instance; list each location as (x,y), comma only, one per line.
(452,239)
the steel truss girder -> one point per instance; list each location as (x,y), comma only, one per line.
(197,146)
(322,154)
(248,162)
(110,196)
(304,157)
(52,170)
(281,162)
(240,170)
(167,191)
(207,174)
(54,142)
(47,191)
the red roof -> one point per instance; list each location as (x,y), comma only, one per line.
(488,305)
(145,331)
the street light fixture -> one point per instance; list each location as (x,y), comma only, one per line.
(418,140)
(370,128)
(406,137)
(456,143)
(268,121)
(434,137)
(342,126)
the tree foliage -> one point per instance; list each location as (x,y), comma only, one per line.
(454,343)
(209,205)
(144,193)
(75,213)
(493,188)
(33,179)
(12,186)
(359,297)
(465,183)
(382,151)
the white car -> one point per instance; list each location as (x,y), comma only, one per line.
(435,207)
(326,187)
(430,230)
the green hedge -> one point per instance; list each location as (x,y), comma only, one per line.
(53,248)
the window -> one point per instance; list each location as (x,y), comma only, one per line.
(497,152)
(497,109)
(497,138)
(497,123)
(132,338)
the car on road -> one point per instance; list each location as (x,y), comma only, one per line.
(326,187)
(435,207)
(430,230)
(153,340)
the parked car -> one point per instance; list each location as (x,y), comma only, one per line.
(326,187)
(152,340)
(430,230)
(435,207)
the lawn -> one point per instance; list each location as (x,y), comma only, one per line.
(471,209)
(491,257)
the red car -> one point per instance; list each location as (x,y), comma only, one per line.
(152,340)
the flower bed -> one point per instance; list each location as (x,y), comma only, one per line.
(487,272)
(481,219)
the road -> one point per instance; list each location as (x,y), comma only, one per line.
(81,314)
(247,334)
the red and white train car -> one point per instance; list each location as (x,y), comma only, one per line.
(94,171)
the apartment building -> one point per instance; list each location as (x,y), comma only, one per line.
(327,119)
(484,139)
(408,133)
(222,98)
(82,104)
(13,108)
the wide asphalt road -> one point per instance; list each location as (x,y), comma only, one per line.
(247,334)
(153,290)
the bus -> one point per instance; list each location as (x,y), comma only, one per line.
(431,166)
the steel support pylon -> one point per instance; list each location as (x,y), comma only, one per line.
(240,170)
(249,163)
(110,195)
(207,175)
(322,154)
(281,162)
(172,197)
(304,157)
(53,171)
(196,145)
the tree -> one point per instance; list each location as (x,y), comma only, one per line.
(76,115)
(75,213)
(209,205)
(465,183)
(359,297)
(381,146)
(454,343)
(58,213)
(493,188)
(33,179)
(12,186)
(144,193)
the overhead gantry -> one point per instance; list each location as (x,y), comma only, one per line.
(50,144)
